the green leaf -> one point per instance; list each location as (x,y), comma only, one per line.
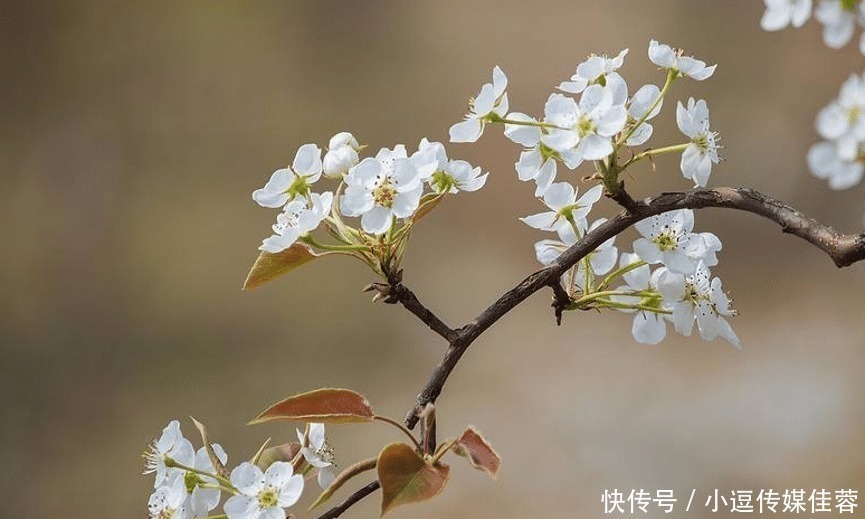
(480,454)
(218,465)
(352,471)
(405,477)
(321,405)
(270,455)
(270,266)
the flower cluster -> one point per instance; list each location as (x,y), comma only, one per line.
(839,18)
(189,484)
(389,192)
(839,158)
(596,127)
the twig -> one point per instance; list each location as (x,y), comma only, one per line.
(350,501)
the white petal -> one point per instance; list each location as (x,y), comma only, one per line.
(648,328)
(307,162)
(500,81)
(647,251)
(248,478)
(241,507)
(559,195)
(469,130)
(775,19)
(291,491)
(377,220)
(543,221)
(528,136)
(595,147)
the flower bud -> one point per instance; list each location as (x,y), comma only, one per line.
(343,139)
(337,161)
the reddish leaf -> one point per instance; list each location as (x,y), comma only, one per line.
(270,455)
(475,447)
(270,266)
(405,477)
(321,405)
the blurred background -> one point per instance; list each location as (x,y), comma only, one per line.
(133,135)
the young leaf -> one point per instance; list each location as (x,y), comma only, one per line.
(321,405)
(480,454)
(217,464)
(405,477)
(270,455)
(270,266)
(427,204)
(352,471)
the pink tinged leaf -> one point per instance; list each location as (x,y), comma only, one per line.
(405,477)
(475,447)
(270,266)
(270,455)
(321,405)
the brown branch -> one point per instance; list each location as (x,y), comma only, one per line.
(843,249)
(350,501)
(399,293)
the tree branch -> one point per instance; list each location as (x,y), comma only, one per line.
(843,249)
(399,293)
(350,501)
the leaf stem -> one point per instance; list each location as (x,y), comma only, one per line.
(401,427)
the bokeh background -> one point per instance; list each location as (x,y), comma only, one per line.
(133,133)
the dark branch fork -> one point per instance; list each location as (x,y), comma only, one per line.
(843,249)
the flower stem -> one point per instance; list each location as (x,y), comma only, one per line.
(671,76)
(401,427)
(170,462)
(335,248)
(655,151)
(620,272)
(446,446)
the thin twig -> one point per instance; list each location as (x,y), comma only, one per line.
(350,501)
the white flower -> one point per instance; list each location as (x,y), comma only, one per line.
(566,211)
(594,70)
(702,152)
(297,219)
(492,99)
(839,18)
(287,183)
(171,444)
(601,260)
(639,107)
(845,115)
(536,163)
(449,176)
(781,13)
(667,239)
(648,327)
(382,188)
(341,155)
(666,57)
(202,500)
(318,453)
(168,501)
(263,495)
(584,131)
(694,297)
(826,163)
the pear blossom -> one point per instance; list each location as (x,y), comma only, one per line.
(263,495)
(342,154)
(827,164)
(595,69)
(491,100)
(566,210)
(639,107)
(782,13)
(839,19)
(297,219)
(168,500)
(383,188)
(201,500)
(172,445)
(288,183)
(318,453)
(667,238)
(845,116)
(449,176)
(648,326)
(702,152)
(584,131)
(666,57)
(698,297)
(538,162)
